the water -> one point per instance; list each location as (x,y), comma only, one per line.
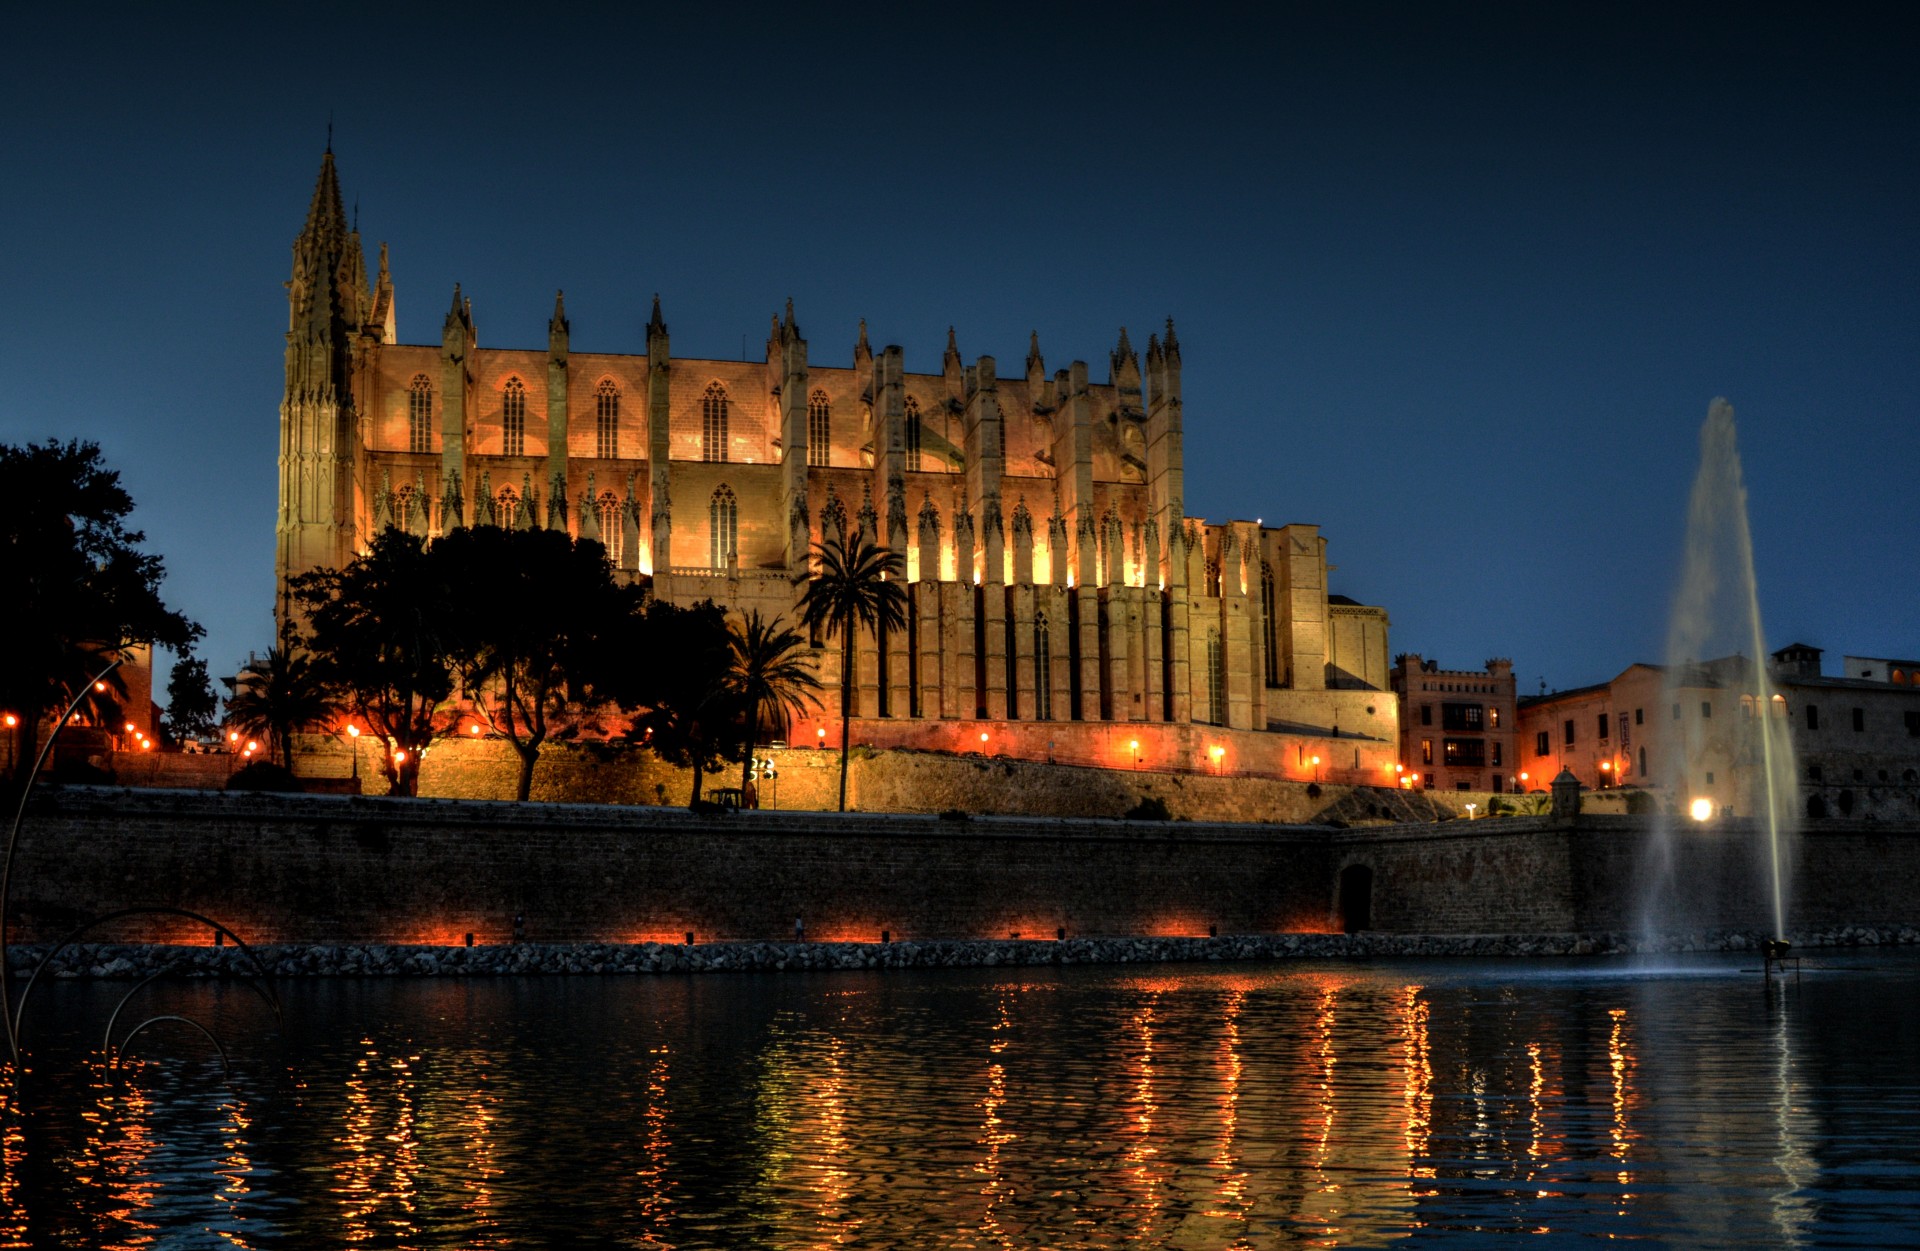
(1329,1105)
(1746,764)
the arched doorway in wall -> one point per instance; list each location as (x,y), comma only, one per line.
(1356,898)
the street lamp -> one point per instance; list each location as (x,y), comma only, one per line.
(1218,753)
(1135,744)
(1316,768)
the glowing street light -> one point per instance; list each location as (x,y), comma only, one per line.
(1316,768)
(1135,744)
(1701,809)
(1218,753)
(12,720)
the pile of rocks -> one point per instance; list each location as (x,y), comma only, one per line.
(376,960)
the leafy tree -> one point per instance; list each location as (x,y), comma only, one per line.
(533,622)
(858,583)
(279,696)
(79,592)
(677,680)
(192,707)
(771,677)
(377,632)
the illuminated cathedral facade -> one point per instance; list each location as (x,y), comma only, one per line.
(1062,603)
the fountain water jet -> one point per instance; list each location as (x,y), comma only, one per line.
(1716,612)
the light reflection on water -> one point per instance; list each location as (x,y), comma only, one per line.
(1329,1105)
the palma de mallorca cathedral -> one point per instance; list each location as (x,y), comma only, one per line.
(1063,604)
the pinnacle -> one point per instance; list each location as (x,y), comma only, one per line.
(327,214)
(657,322)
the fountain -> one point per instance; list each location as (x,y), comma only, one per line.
(1741,762)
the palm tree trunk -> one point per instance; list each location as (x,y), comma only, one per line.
(694,802)
(846,700)
(746,757)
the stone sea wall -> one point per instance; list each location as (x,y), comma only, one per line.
(351,871)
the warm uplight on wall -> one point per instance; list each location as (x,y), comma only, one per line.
(353,731)
(474,729)
(1218,753)
(129,727)
(99,686)
(12,721)
(400,757)
(1701,809)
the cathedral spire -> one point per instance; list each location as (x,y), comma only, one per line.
(656,324)
(952,356)
(1033,351)
(326,214)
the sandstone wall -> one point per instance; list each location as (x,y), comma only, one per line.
(346,869)
(331,869)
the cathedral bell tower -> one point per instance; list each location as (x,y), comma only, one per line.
(327,300)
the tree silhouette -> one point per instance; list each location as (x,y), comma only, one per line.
(533,620)
(676,677)
(377,631)
(771,678)
(857,584)
(192,707)
(281,695)
(78,589)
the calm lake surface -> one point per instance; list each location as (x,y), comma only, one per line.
(1353,1104)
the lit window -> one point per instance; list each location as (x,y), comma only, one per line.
(420,415)
(912,423)
(612,531)
(819,430)
(713,424)
(723,528)
(606,422)
(1216,680)
(513,418)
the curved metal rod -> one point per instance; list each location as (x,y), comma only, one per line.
(260,986)
(226,1070)
(106,1039)
(13,836)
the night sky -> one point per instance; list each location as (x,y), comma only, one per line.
(1455,283)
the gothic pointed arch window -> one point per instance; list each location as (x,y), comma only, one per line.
(819,430)
(507,511)
(1272,628)
(912,423)
(1216,680)
(713,423)
(1042,670)
(723,527)
(606,420)
(513,418)
(613,532)
(420,414)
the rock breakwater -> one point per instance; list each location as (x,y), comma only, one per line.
(128,961)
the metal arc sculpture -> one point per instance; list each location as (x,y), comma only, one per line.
(13,1014)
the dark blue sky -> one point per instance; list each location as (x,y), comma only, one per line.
(1455,283)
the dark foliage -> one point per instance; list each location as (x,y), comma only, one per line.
(79,590)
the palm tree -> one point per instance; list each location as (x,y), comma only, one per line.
(858,584)
(279,696)
(770,677)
